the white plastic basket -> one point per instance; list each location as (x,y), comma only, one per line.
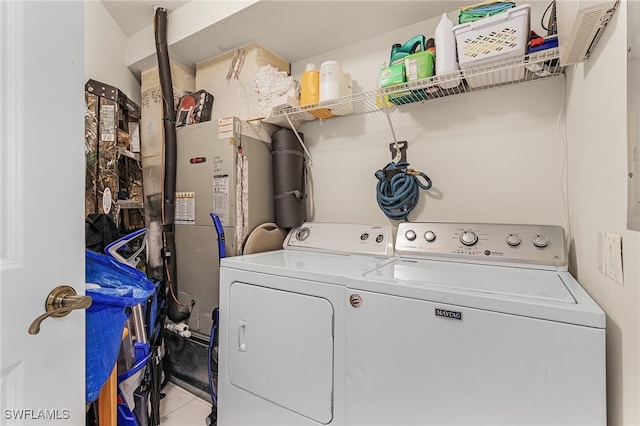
(492,42)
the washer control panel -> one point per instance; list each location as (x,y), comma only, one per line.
(531,244)
(341,238)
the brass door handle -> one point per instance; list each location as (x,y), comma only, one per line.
(62,300)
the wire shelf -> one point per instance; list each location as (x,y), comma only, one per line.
(535,66)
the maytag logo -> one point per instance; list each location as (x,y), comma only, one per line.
(449,314)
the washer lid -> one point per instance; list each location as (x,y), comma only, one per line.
(490,280)
(534,293)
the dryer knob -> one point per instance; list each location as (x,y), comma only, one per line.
(302,234)
(540,241)
(513,240)
(430,236)
(468,238)
(410,235)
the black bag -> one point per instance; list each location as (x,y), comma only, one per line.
(99,231)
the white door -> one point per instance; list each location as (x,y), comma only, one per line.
(41,210)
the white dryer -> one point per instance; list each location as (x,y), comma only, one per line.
(282,336)
(474,324)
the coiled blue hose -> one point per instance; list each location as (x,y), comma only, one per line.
(397,190)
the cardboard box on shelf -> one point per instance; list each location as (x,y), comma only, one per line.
(151,123)
(229,78)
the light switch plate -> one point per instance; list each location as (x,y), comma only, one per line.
(613,257)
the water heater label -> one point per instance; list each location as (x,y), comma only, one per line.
(449,314)
(185,212)
(221,199)
(225,128)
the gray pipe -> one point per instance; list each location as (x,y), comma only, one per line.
(289,179)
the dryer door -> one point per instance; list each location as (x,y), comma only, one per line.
(281,348)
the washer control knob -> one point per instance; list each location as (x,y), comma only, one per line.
(302,233)
(410,235)
(430,236)
(468,238)
(513,240)
(540,241)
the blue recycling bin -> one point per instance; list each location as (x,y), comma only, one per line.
(115,287)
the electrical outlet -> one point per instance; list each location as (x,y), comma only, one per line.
(613,257)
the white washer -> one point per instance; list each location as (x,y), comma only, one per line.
(474,324)
(282,336)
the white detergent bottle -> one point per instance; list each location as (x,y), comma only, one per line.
(446,59)
(345,107)
(331,80)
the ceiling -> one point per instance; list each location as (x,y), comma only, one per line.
(295,30)
(135,15)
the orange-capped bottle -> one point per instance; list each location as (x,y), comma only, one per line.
(310,82)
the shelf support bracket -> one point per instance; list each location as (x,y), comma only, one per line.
(299,139)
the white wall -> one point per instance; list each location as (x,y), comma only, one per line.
(493,156)
(105,51)
(596,130)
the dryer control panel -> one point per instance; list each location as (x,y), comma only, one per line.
(484,243)
(348,238)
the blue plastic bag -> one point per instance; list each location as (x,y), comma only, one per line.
(121,287)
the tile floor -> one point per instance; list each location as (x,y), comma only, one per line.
(181,408)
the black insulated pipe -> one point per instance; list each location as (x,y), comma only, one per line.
(175,310)
(289,179)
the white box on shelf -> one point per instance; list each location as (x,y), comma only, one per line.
(236,94)
(287,100)
(495,41)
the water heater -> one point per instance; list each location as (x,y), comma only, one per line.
(223,167)
(580,26)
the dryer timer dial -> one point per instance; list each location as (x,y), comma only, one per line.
(540,241)
(513,240)
(468,238)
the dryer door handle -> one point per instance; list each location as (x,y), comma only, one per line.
(242,335)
